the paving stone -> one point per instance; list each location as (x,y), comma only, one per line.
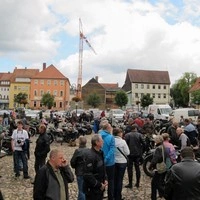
(20,189)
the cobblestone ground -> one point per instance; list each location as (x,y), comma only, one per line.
(20,189)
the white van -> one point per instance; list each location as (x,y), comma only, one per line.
(186,113)
(160,112)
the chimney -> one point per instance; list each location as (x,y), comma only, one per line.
(96,78)
(44,66)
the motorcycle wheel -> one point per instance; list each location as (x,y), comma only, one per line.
(51,138)
(146,163)
(32,132)
(89,131)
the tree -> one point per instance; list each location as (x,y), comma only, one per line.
(146,100)
(195,97)
(48,100)
(21,98)
(94,100)
(180,90)
(121,98)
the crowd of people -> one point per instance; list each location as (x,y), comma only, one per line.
(103,166)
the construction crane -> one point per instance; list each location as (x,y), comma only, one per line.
(82,38)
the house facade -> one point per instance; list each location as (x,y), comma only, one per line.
(141,82)
(4,90)
(106,92)
(50,80)
(20,82)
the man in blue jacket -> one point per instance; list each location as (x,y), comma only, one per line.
(109,155)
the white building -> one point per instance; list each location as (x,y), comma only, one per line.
(141,82)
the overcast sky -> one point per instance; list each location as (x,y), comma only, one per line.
(126,34)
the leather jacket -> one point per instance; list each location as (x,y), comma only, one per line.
(183,181)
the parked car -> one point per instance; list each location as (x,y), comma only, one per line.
(116,114)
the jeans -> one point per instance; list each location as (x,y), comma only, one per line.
(110,171)
(157,183)
(136,161)
(17,156)
(120,169)
(81,194)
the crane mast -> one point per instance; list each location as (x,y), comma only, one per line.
(82,38)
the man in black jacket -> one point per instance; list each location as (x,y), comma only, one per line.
(183,179)
(51,181)
(42,148)
(94,173)
(136,144)
(78,162)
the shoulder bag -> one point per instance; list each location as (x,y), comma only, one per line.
(161,167)
(127,159)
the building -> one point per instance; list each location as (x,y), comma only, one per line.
(140,82)
(4,90)
(106,92)
(20,82)
(194,88)
(50,80)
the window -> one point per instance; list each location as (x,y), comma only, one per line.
(148,86)
(154,87)
(48,91)
(40,104)
(54,105)
(159,95)
(159,87)
(41,82)
(142,94)
(15,88)
(153,95)
(60,104)
(61,93)
(55,82)
(142,86)
(55,92)
(35,82)
(136,86)
(34,104)
(164,96)
(41,92)
(49,82)
(164,87)
(136,95)
(35,92)
(61,83)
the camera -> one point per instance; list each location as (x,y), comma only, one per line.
(19,141)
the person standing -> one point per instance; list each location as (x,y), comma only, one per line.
(159,156)
(19,138)
(136,144)
(78,162)
(121,152)
(109,155)
(42,148)
(51,181)
(184,141)
(94,174)
(183,179)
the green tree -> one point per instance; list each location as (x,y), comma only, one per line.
(146,100)
(48,100)
(121,98)
(21,98)
(180,90)
(94,100)
(195,97)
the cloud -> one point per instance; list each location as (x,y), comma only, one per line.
(125,34)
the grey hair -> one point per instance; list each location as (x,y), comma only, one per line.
(95,138)
(158,139)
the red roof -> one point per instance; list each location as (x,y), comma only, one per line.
(6,76)
(110,85)
(23,73)
(196,86)
(50,72)
(148,76)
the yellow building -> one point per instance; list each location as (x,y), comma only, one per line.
(20,82)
